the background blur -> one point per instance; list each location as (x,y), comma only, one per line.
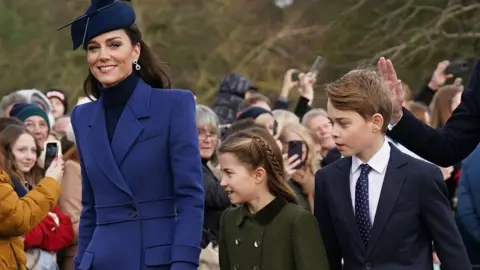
(202,40)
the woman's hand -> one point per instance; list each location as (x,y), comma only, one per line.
(288,83)
(290,163)
(439,77)
(56,169)
(446,172)
(307,81)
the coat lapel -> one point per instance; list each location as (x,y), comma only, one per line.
(343,184)
(100,150)
(391,188)
(129,127)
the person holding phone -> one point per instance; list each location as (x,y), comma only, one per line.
(54,232)
(142,187)
(19,214)
(300,159)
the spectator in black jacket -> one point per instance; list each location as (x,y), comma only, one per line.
(216,198)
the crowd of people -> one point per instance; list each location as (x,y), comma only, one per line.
(147,178)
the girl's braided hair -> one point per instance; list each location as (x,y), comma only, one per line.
(256,147)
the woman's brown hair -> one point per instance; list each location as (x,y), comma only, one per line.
(441,105)
(7,138)
(255,147)
(153,71)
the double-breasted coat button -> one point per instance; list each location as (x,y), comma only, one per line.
(133,211)
(256,244)
(236,267)
(237,241)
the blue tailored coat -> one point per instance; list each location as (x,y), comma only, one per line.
(142,194)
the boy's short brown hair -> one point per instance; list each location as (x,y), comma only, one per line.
(361,91)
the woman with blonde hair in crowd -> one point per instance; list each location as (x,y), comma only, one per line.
(19,214)
(284,118)
(302,180)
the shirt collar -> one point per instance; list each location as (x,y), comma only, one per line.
(378,162)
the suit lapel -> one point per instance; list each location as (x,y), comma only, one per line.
(99,148)
(343,184)
(391,188)
(129,127)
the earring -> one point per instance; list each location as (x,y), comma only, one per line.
(137,66)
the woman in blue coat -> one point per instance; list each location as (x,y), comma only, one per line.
(142,189)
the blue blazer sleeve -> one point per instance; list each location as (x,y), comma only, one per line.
(467,207)
(88,216)
(188,184)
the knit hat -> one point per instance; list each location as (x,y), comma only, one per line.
(60,95)
(252,112)
(23,111)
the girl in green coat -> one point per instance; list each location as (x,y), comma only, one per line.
(269,231)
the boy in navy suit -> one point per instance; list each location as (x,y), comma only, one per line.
(379,208)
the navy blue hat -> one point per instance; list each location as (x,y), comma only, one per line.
(252,112)
(102,16)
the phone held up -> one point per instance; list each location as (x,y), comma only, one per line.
(295,148)
(457,67)
(315,69)
(52,150)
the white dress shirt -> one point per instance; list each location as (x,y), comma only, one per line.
(379,163)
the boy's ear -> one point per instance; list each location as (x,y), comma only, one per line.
(377,121)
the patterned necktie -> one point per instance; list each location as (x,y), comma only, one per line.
(362,209)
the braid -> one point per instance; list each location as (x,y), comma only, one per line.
(276,165)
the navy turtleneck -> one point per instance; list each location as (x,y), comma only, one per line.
(114,100)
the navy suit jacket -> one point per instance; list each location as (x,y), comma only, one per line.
(412,212)
(142,194)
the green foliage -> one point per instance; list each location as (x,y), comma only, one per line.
(202,40)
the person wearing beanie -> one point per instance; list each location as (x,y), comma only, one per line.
(261,117)
(34,118)
(59,102)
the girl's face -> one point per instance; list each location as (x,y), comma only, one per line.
(240,182)
(110,57)
(57,107)
(24,151)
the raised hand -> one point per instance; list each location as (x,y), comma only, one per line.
(389,75)
(439,77)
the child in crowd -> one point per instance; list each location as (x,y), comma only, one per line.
(268,231)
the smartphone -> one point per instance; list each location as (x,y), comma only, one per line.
(52,149)
(315,69)
(457,66)
(295,76)
(317,65)
(295,148)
